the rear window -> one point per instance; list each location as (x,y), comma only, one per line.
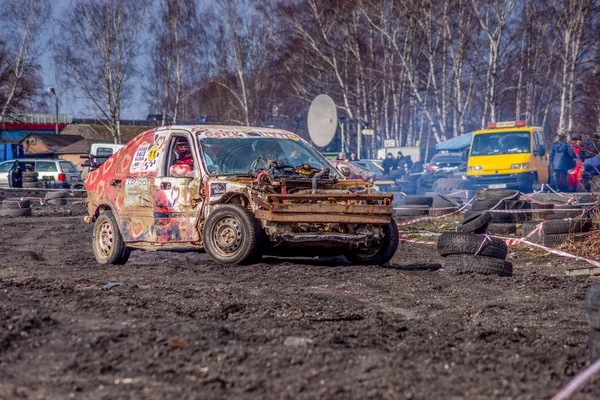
(68,166)
(104,152)
(46,166)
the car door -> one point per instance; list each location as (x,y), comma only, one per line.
(540,158)
(5,169)
(177,191)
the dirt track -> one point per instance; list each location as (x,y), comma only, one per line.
(180,326)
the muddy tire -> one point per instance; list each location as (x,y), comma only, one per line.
(107,242)
(502,218)
(60,194)
(594,344)
(558,226)
(15,204)
(384,252)
(57,202)
(501,228)
(470,243)
(496,194)
(592,306)
(15,212)
(418,200)
(411,210)
(483,205)
(466,263)
(475,223)
(232,235)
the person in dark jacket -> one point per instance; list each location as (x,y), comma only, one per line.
(388,164)
(562,159)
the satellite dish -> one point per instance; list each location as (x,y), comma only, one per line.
(322,120)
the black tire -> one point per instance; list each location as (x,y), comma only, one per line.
(29,175)
(551,241)
(592,306)
(57,202)
(30,185)
(384,252)
(503,218)
(528,227)
(559,226)
(107,242)
(418,200)
(475,223)
(496,194)
(470,243)
(439,200)
(410,210)
(483,205)
(594,344)
(232,235)
(15,204)
(59,194)
(467,263)
(501,229)
(15,212)
(520,205)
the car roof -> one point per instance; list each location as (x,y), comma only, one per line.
(227,131)
(34,159)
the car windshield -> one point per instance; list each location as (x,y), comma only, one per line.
(512,142)
(236,155)
(67,166)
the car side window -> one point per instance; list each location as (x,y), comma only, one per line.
(5,167)
(46,166)
(180,153)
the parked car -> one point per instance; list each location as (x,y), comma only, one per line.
(373,166)
(441,166)
(51,173)
(236,192)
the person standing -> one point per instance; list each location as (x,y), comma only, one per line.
(353,157)
(399,161)
(562,159)
(341,157)
(388,164)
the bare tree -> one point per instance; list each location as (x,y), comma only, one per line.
(22,23)
(100,39)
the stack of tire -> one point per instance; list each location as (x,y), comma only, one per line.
(500,223)
(592,314)
(407,184)
(473,253)
(57,198)
(556,231)
(414,206)
(30,179)
(15,208)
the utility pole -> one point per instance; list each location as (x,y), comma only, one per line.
(51,90)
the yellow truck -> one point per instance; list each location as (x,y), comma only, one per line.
(508,155)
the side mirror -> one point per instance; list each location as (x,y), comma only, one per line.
(345,171)
(181,171)
(465,154)
(542,150)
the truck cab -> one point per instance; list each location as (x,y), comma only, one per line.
(236,192)
(508,155)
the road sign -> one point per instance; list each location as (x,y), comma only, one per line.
(368,132)
(389,143)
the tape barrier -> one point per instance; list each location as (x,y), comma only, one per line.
(420,219)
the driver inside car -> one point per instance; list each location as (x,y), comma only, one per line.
(183,154)
(269,154)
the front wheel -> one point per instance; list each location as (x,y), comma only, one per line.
(379,253)
(108,244)
(232,235)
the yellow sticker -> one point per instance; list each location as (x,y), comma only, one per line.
(294,137)
(152,153)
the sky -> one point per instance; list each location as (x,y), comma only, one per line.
(69,104)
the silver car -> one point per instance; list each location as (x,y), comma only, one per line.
(52,173)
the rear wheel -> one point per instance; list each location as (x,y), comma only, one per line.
(380,252)
(108,244)
(232,235)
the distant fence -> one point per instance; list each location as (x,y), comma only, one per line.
(38,119)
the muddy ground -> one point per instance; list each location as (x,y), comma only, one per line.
(180,326)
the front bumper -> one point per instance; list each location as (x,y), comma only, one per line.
(502,181)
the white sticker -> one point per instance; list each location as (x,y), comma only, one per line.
(145,158)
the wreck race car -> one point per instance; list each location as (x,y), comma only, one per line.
(238,193)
